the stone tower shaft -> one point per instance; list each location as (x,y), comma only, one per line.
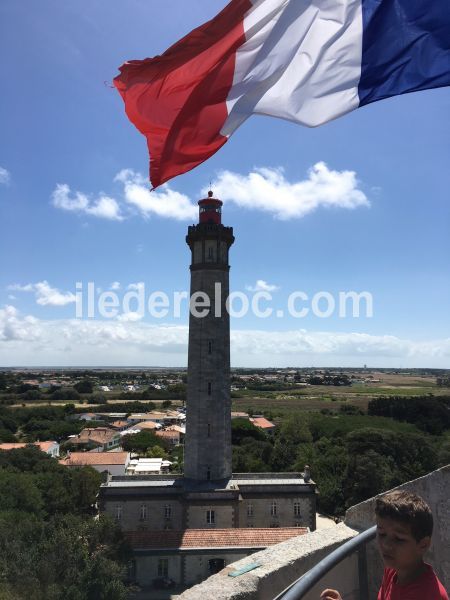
(208,419)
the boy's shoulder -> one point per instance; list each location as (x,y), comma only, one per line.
(426,586)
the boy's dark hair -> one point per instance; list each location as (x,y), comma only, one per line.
(407,508)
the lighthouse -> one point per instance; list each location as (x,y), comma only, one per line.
(208,416)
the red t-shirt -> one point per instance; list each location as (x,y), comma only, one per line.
(425,587)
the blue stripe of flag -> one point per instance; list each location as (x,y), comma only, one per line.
(406,47)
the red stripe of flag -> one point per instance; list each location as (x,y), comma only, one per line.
(178,100)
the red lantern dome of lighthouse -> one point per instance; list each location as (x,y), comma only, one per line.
(210,210)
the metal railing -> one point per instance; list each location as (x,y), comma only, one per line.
(301,586)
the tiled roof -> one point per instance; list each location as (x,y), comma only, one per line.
(95,458)
(262,422)
(146,425)
(119,424)
(176,428)
(99,435)
(212,538)
(44,446)
(168,434)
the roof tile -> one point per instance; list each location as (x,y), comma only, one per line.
(212,538)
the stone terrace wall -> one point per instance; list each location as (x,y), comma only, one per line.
(281,565)
(284,563)
(435,489)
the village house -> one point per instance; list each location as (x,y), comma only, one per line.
(114,463)
(51,448)
(189,556)
(170,436)
(263,424)
(100,439)
(239,415)
(119,425)
(147,426)
(148,466)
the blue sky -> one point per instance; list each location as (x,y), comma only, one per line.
(67,217)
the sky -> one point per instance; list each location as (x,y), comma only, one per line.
(360,204)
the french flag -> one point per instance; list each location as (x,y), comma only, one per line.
(307,61)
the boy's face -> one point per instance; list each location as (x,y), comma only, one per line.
(399,548)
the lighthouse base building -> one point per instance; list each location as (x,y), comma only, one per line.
(183,528)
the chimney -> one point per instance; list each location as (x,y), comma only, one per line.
(307,474)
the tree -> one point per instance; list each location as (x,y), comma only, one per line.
(84,387)
(140,442)
(156,452)
(50,546)
(292,433)
(243,428)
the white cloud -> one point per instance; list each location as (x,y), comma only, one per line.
(45,294)
(5,176)
(130,316)
(103,207)
(268,190)
(163,203)
(136,286)
(265,189)
(25,340)
(14,327)
(115,285)
(262,286)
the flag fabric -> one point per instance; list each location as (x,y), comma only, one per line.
(307,61)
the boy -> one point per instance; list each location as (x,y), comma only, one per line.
(404,528)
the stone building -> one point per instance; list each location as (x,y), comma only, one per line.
(209,496)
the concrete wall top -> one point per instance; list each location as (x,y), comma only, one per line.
(280,565)
(435,490)
(284,563)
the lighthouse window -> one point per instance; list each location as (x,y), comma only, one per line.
(210,347)
(209,388)
(210,252)
(209,430)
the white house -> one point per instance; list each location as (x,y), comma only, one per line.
(115,463)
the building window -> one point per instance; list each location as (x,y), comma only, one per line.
(209,388)
(273,509)
(210,347)
(167,511)
(163,567)
(297,509)
(209,430)
(210,517)
(249,510)
(118,512)
(274,525)
(210,253)
(208,473)
(143,516)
